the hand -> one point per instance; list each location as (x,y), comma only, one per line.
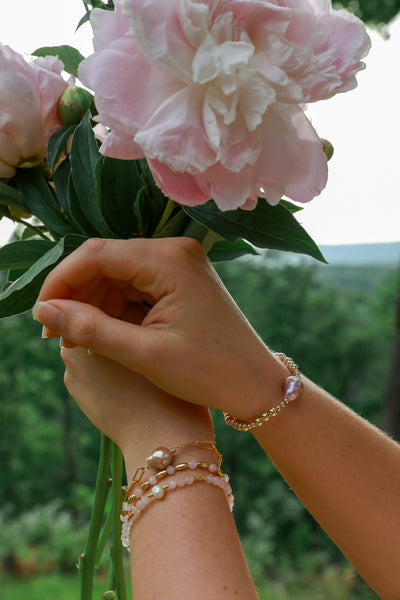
(130,410)
(193,343)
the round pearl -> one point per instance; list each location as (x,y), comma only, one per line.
(159,459)
(158,491)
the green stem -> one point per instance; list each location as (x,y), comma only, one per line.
(117,463)
(88,558)
(105,534)
(165,216)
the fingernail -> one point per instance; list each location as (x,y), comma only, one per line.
(50,316)
(64,343)
(45,332)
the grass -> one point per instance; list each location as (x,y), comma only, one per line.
(66,587)
(45,587)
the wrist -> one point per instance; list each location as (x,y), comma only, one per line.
(262,388)
(168,434)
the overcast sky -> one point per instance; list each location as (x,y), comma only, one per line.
(361,202)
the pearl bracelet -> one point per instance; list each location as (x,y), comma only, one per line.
(161,458)
(292,387)
(131,512)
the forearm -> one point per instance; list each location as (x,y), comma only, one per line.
(347,473)
(186,545)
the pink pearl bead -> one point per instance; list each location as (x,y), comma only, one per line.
(192,464)
(212,468)
(292,387)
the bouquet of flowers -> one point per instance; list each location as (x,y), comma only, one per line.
(194,125)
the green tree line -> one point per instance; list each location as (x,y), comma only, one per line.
(340,335)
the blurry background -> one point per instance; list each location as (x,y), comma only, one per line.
(340,322)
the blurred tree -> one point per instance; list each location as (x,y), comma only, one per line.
(392,406)
(373,12)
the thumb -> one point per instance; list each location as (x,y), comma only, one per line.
(88,326)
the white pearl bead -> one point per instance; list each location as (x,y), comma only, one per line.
(158,491)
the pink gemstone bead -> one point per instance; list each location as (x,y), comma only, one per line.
(292,387)
(138,492)
(212,468)
(192,464)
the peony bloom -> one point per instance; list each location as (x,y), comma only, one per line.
(28,108)
(211,92)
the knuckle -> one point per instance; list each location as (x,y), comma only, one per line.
(94,245)
(186,251)
(84,330)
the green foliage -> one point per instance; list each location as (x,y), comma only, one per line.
(374,12)
(71,57)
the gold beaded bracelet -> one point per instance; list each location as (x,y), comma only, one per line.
(161,458)
(292,387)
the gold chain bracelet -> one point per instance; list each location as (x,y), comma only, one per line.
(292,387)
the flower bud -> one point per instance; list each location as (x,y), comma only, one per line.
(328,148)
(73,104)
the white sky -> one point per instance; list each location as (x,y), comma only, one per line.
(361,202)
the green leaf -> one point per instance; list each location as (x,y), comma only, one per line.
(119,184)
(266,226)
(290,206)
(223,250)
(40,201)
(153,200)
(57,144)
(11,197)
(84,156)
(21,295)
(22,255)
(71,57)
(61,182)
(77,215)
(175,226)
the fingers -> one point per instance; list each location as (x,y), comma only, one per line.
(146,266)
(87,326)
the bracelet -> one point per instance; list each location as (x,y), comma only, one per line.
(132,497)
(158,493)
(130,512)
(292,387)
(162,458)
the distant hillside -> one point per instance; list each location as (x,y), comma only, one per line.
(363,254)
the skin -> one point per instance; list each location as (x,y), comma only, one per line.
(195,345)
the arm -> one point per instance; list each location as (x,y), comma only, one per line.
(344,470)
(179,543)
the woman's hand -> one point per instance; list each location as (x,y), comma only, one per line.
(129,409)
(193,342)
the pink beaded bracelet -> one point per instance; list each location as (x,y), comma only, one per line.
(131,512)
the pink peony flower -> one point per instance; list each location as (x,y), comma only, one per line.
(28,108)
(210,92)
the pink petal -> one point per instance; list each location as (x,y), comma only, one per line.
(175,134)
(182,187)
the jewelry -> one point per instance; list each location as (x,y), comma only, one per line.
(163,457)
(158,491)
(292,387)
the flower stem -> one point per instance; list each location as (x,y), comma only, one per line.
(116,495)
(164,217)
(87,560)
